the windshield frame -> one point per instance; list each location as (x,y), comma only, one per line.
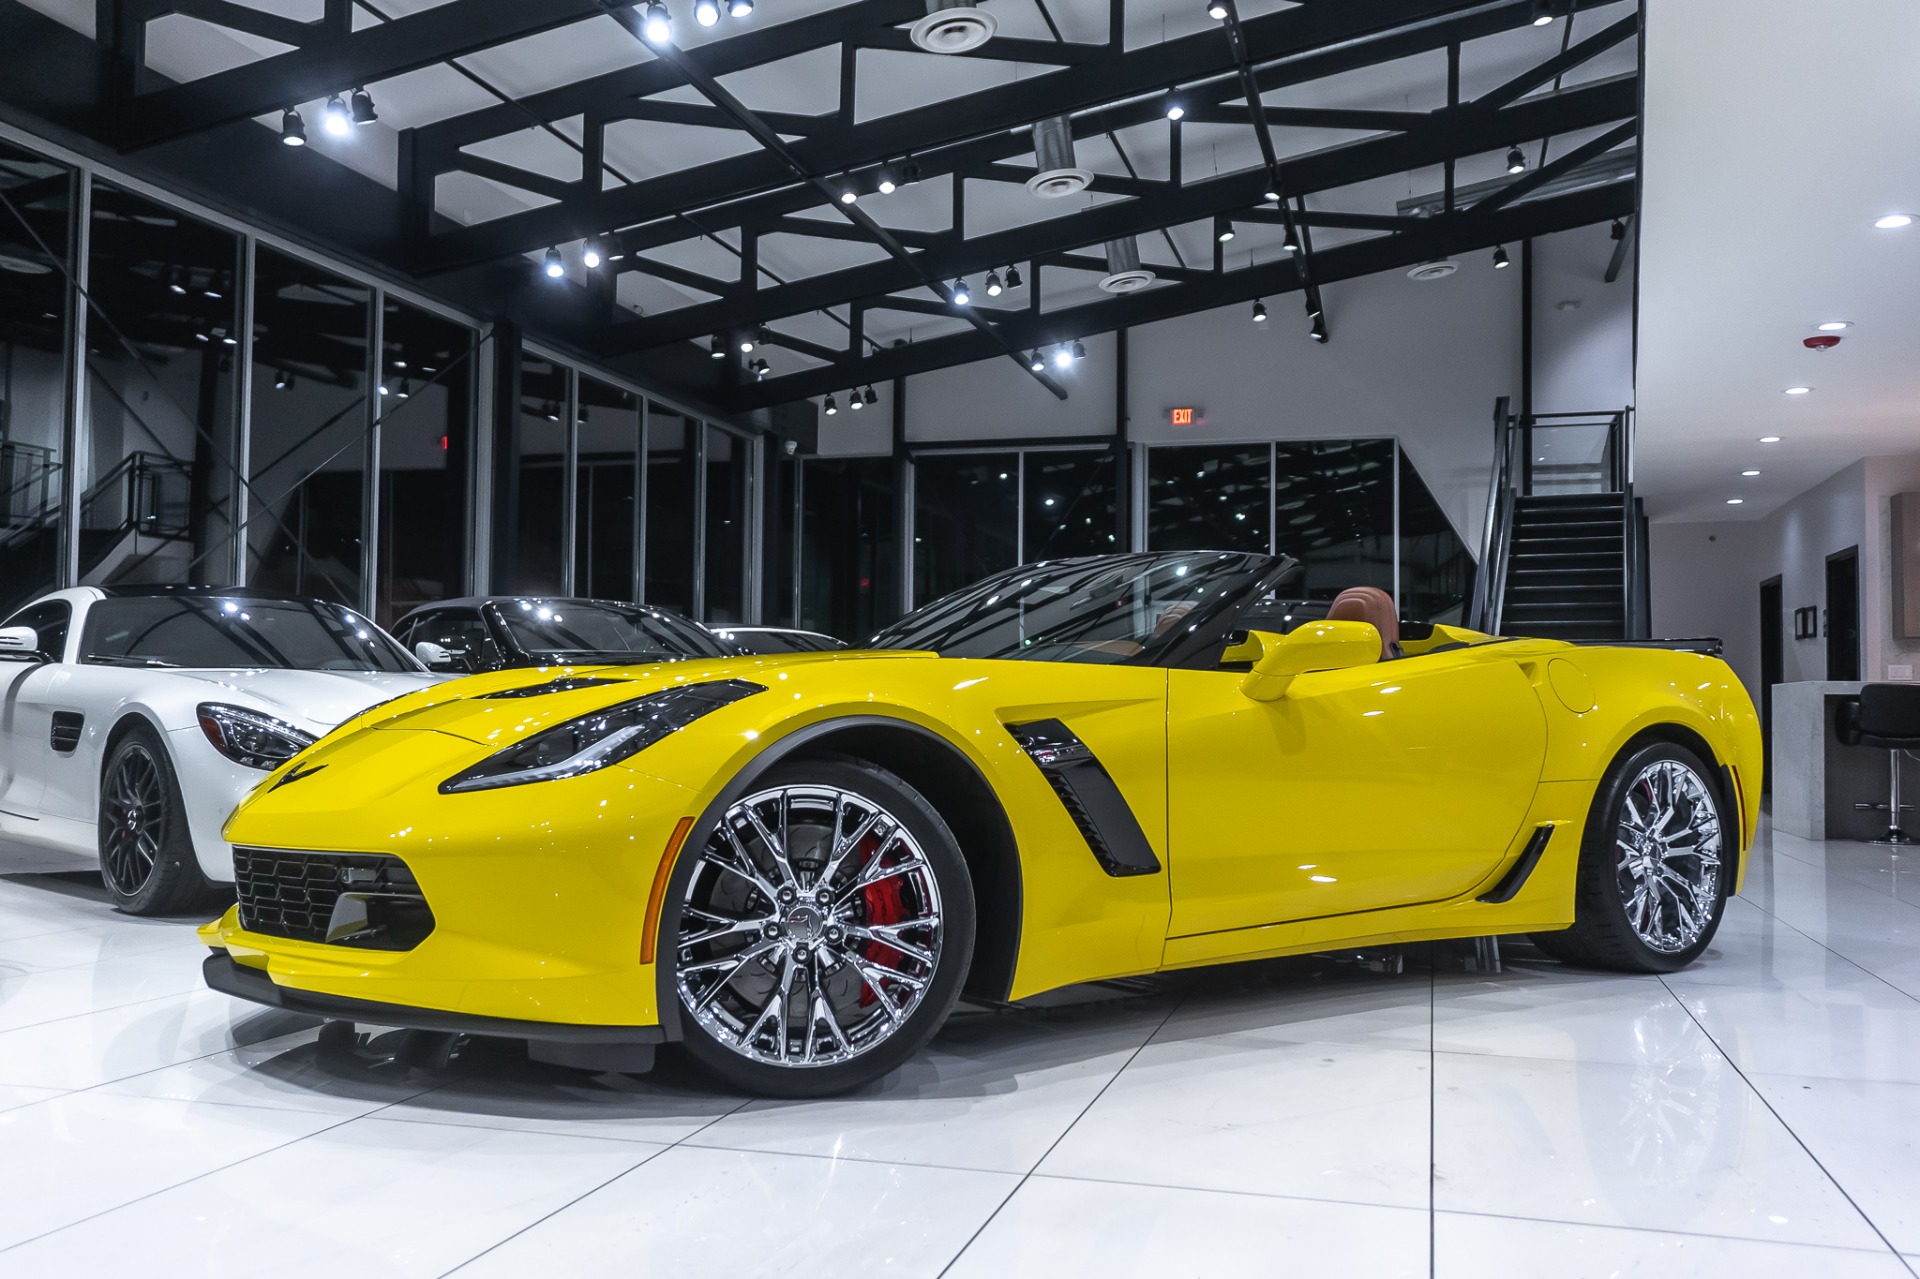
(1198,643)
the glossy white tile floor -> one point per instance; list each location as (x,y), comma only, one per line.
(1757,1115)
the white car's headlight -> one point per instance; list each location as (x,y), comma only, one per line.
(250,738)
(604,737)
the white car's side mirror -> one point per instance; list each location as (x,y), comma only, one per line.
(432,656)
(21,644)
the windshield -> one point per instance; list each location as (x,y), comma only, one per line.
(1132,609)
(621,632)
(234,631)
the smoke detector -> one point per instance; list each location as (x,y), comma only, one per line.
(1823,342)
(1124,272)
(1053,150)
(1439,270)
(953,28)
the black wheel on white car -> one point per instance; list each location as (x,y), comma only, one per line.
(146,850)
(1657,865)
(823,932)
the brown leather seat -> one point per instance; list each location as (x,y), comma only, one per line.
(1373,606)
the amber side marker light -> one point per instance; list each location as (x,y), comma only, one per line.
(657,898)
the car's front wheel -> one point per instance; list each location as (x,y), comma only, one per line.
(1656,867)
(823,933)
(146,850)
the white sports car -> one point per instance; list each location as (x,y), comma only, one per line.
(134,719)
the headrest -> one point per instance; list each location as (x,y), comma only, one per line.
(1374,606)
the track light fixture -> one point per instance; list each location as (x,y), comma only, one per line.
(176,282)
(293,130)
(334,117)
(994,287)
(1217,10)
(847,193)
(1222,230)
(763,335)
(706,12)
(1259,311)
(746,343)
(854,401)
(1500,259)
(1516,161)
(717,348)
(361,107)
(962,295)
(1543,12)
(1618,231)
(830,408)
(883,181)
(1037,361)
(760,370)
(1079,352)
(1013,277)
(869,396)
(1272,194)
(1290,239)
(739,8)
(1318,329)
(1174,107)
(553,265)
(1063,357)
(282,380)
(590,254)
(657,26)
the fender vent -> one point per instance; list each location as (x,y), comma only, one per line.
(65,735)
(1090,796)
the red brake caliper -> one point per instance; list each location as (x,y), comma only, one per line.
(885,904)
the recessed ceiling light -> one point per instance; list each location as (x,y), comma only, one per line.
(1769,439)
(1798,390)
(1834,326)
(1749,473)
(1893,221)
(1735,501)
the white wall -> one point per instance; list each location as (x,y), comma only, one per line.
(1705,577)
(1583,354)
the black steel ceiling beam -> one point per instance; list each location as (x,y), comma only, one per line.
(1435,238)
(1447,133)
(1591,149)
(330,58)
(1298,44)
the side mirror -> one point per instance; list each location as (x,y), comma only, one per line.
(438,657)
(1317,646)
(21,644)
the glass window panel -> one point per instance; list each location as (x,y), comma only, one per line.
(159,485)
(966,512)
(1207,498)
(1436,569)
(607,477)
(426,440)
(36,199)
(777,528)
(849,552)
(308,456)
(728,458)
(1334,505)
(540,517)
(1071,504)
(671,477)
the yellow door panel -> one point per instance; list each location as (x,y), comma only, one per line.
(1377,786)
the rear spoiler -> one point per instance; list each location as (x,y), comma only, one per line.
(1707,644)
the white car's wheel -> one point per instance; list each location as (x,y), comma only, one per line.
(146,852)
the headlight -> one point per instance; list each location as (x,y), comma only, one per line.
(250,738)
(602,738)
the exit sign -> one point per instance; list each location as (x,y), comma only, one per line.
(1184,417)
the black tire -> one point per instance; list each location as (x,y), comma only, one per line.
(1604,935)
(146,849)
(817,953)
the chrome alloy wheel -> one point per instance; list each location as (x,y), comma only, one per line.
(1667,862)
(811,927)
(133,815)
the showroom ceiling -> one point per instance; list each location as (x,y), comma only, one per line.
(710,167)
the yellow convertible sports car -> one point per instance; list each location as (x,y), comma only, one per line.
(792,866)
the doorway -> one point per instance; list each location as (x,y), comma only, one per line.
(1772,661)
(1843,614)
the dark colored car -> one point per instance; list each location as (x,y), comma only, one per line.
(499,632)
(778,639)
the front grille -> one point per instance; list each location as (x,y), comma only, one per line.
(299,895)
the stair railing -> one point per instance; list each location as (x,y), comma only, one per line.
(1490,583)
(1633,531)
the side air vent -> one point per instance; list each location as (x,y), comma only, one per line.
(565,684)
(1516,878)
(65,734)
(1088,793)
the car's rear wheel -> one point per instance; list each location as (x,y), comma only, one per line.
(823,933)
(146,850)
(1656,867)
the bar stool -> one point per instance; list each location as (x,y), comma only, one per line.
(1886,716)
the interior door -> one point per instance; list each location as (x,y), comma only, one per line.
(1385,785)
(1843,614)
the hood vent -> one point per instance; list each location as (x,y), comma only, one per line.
(565,684)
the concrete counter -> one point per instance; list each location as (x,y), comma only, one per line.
(1817,781)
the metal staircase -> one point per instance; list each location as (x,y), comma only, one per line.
(1564,554)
